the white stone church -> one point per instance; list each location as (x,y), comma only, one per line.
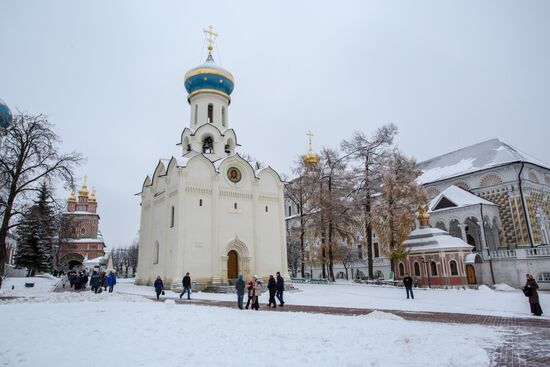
(207,210)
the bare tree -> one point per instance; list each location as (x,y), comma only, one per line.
(301,191)
(369,155)
(394,210)
(335,218)
(29,155)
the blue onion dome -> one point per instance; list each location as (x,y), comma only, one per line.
(5,115)
(209,78)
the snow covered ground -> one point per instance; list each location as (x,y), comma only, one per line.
(507,302)
(66,329)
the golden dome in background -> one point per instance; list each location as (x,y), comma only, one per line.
(84,189)
(72,198)
(311,158)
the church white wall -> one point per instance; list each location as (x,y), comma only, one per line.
(202,101)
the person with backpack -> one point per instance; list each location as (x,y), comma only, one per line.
(111,281)
(239,286)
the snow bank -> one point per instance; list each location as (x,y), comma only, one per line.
(42,284)
(484,289)
(380,315)
(505,287)
(150,333)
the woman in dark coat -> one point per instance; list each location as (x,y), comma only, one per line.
(532,286)
(250,289)
(272,286)
(159,286)
(239,286)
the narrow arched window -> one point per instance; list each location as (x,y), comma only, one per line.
(401,270)
(235,205)
(200,202)
(433,267)
(224,122)
(196,113)
(156,250)
(416,269)
(172,217)
(266,209)
(289,210)
(210,112)
(454,267)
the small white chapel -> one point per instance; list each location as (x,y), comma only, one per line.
(207,210)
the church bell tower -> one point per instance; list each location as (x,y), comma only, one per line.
(209,87)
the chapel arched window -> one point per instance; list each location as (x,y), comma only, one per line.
(454,267)
(210,112)
(433,267)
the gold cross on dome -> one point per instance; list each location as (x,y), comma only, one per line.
(309,135)
(210,37)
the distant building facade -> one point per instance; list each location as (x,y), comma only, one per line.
(81,238)
(497,199)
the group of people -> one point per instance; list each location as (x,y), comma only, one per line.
(275,287)
(79,280)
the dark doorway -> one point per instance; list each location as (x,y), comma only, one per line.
(232,265)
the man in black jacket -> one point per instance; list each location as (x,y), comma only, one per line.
(280,288)
(408,283)
(186,286)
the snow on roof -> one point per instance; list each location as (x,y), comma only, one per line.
(84,240)
(428,239)
(80,213)
(459,197)
(477,157)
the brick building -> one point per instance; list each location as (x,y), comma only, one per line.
(81,237)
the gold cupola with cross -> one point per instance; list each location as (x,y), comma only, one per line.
(311,158)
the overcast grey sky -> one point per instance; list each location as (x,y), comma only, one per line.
(110,76)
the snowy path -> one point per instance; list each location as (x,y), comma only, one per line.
(476,302)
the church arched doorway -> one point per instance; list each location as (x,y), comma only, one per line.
(471,273)
(232,265)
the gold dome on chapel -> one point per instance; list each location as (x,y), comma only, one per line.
(311,158)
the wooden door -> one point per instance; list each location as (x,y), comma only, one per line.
(471,273)
(232,265)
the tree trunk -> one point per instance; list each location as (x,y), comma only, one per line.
(302,244)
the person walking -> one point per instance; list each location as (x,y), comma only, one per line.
(408,283)
(280,289)
(111,281)
(272,287)
(94,282)
(250,293)
(84,280)
(530,290)
(239,286)
(64,279)
(159,287)
(186,281)
(258,287)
